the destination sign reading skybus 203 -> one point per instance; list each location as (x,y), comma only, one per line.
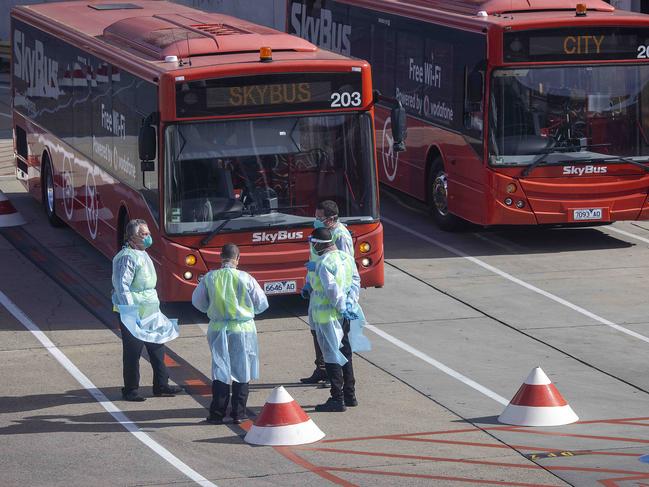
(588,43)
(284,92)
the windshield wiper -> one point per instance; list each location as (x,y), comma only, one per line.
(570,148)
(628,160)
(218,229)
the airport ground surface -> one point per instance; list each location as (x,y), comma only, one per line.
(462,320)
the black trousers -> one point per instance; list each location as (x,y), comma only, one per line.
(131,352)
(319,359)
(221,399)
(343,382)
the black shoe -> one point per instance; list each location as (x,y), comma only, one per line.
(351,402)
(331,406)
(213,419)
(166,391)
(132,396)
(318,375)
(236,420)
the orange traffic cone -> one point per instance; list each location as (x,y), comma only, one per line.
(9,217)
(283,422)
(538,403)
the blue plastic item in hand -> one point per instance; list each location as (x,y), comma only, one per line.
(310,266)
(350,315)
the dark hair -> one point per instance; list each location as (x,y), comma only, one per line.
(132,227)
(329,207)
(321,233)
(229,252)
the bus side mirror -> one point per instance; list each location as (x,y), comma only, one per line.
(399,128)
(146,143)
(474,87)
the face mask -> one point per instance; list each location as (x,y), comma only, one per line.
(147,241)
(318,223)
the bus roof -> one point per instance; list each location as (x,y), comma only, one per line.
(152,30)
(490,7)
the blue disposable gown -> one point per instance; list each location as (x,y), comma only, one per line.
(135,297)
(332,291)
(231,298)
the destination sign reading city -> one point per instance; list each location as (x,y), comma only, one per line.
(588,43)
(269,93)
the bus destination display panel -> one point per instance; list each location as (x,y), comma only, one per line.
(584,44)
(274,93)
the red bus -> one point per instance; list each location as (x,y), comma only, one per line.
(211,128)
(519,112)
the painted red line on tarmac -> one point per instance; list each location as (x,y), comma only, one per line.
(614,482)
(590,437)
(433,477)
(322,472)
(37,256)
(422,433)
(65,278)
(198,387)
(526,466)
(169,362)
(538,395)
(613,420)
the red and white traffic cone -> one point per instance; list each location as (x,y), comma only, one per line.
(283,422)
(9,217)
(538,403)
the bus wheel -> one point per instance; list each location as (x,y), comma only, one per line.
(49,195)
(438,199)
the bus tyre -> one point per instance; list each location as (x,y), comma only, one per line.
(438,199)
(49,195)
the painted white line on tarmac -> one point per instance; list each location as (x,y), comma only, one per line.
(99,396)
(429,360)
(627,234)
(6,115)
(518,281)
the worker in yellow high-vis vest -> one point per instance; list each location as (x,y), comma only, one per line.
(326,216)
(336,287)
(231,298)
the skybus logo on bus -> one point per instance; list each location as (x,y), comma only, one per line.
(581,170)
(40,72)
(322,31)
(275,237)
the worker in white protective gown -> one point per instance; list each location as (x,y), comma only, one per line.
(332,308)
(140,320)
(326,216)
(231,298)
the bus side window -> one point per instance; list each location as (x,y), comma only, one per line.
(473,106)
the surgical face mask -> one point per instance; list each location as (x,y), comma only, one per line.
(318,223)
(147,241)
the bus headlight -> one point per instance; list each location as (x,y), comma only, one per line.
(366,262)
(509,201)
(511,188)
(364,247)
(520,204)
(188,275)
(190,259)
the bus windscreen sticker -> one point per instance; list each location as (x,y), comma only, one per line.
(269,93)
(583,44)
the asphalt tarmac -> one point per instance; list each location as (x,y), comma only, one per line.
(461,322)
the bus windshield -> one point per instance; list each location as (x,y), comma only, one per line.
(569,114)
(266,172)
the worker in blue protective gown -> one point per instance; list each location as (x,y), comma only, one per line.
(231,298)
(141,322)
(326,216)
(336,287)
